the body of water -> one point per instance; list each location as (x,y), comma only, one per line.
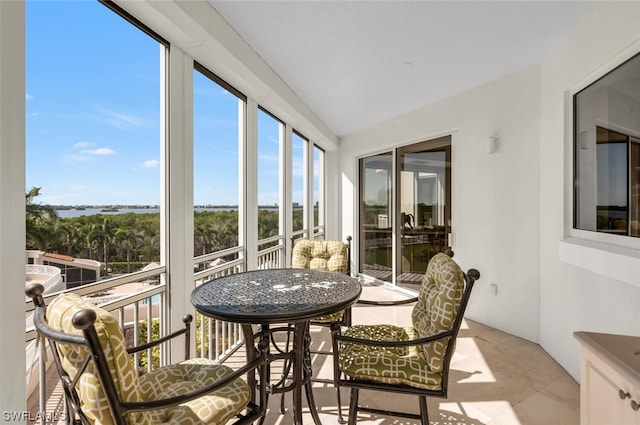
(92,211)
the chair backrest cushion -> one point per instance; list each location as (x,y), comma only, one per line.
(320,255)
(437,306)
(94,402)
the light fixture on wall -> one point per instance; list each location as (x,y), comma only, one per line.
(492,144)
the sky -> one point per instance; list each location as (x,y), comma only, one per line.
(93,116)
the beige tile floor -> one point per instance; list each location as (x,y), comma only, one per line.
(496,379)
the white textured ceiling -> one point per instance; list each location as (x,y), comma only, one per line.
(357,63)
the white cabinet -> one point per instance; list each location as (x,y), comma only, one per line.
(609,379)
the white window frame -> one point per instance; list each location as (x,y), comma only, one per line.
(614,256)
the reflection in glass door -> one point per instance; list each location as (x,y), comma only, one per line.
(423,205)
(405,213)
(376,216)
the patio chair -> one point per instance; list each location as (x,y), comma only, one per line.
(413,360)
(331,255)
(102,386)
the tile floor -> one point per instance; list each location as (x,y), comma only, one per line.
(496,379)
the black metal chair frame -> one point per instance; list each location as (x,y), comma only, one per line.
(355,384)
(84,320)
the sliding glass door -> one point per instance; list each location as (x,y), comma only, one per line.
(423,205)
(405,211)
(376,216)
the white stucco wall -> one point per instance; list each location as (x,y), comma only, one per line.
(495,196)
(573,298)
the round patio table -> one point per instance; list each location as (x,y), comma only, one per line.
(267,297)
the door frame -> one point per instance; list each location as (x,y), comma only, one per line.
(442,142)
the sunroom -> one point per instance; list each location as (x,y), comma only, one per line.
(475,139)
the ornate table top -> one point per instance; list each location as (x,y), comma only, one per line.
(276,295)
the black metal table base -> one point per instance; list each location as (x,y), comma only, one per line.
(296,360)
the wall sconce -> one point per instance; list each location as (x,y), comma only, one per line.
(492,142)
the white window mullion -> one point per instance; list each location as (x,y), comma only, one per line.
(249,176)
(307,188)
(322,171)
(176,212)
(286,192)
(12,206)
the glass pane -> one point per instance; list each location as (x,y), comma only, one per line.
(216,118)
(92,136)
(423,221)
(611,193)
(634,189)
(298,181)
(606,173)
(376,243)
(318,180)
(270,133)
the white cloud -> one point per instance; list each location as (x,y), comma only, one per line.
(28,97)
(81,145)
(121,120)
(99,151)
(150,163)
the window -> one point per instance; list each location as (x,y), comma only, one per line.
(270,140)
(93,134)
(607,153)
(299,145)
(318,189)
(218,110)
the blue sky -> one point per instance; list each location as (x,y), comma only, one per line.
(93,115)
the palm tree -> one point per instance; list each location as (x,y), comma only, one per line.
(67,237)
(130,238)
(107,235)
(202,232)
(38,218)
(92,236)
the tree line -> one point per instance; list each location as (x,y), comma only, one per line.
(129,241)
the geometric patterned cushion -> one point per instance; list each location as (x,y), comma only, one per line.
(214,408)
(94,401)
(402,365)
(417,366)
(438,302)
(321,255)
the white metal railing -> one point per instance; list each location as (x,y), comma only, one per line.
(271,257)
(216,339)
(134,302)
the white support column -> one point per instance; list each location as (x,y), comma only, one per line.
(176,212)
(249,175)
(12,208)
(286,192)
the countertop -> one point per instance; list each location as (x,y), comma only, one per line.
(622,352)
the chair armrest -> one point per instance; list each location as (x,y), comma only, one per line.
(387,303)
(258,362)
(186,331)
(337,337)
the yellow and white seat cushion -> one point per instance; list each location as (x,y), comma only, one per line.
(321,255)
(434,313)
(215,408)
